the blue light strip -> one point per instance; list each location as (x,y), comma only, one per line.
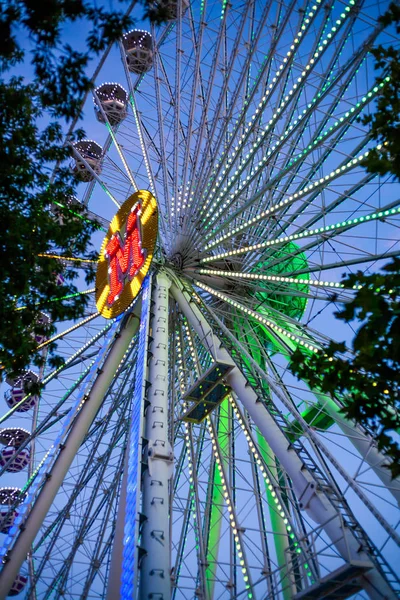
(129,566)
(47,462)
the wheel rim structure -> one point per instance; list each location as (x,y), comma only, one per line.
(190,462)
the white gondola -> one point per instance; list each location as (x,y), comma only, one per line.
(138,45)
(171,8)
(90,152)
(8,496)
(114,102)
(19,393)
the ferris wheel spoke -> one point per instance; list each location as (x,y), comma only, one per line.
(327,406)
(350,249)
(116,144)
(196,84)
(380,470)
(210,84)
(52,464)
(166,175)
(370,258)
(69,330)
(322,234)
(56,372)
(286,101)
(261,106)
(93,477)
(138,121)
(222,95)
(177,102)
(281,510)
(270,323)
(318,140)
(94,175)
(327,209)
(327,84)
(261,276)
(302,192)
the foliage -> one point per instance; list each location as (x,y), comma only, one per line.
(368,381)
(385,120)
(34,115)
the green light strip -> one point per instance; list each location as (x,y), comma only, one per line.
(90,291)
(264,101)
(274,278)
(257,316)
(308,233)
(339,123)
(217,501)
(275,117)
(78,215)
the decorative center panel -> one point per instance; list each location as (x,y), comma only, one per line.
(126,254)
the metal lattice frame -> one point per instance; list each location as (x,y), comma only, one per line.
(246,130)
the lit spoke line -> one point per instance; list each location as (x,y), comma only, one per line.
(353,65)
(345,263)
(137,119)
(116,144)
(177,100)
(261,106)
(208,97)
(193,469)
(275,278)
(68,258)
(233,520)
(90,291)
(328,209)
(206,151)
(280,391)
(198,45)
(56,372)
(160,123)
(272,184)
(347,118)
(94,174)
(329,80)
(273,486)
(193,481)
(143,145)
(261,319)
(63,333)
(87,215)
(340,226)
(275,117)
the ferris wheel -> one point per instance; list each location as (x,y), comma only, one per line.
(173,455)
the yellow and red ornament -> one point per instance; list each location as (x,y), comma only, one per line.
(126,254)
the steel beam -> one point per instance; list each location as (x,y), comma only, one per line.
(155,567)
(318,504)
(80,427)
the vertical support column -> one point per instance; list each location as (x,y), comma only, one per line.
(155,567)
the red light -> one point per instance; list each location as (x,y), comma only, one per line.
(124,259)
